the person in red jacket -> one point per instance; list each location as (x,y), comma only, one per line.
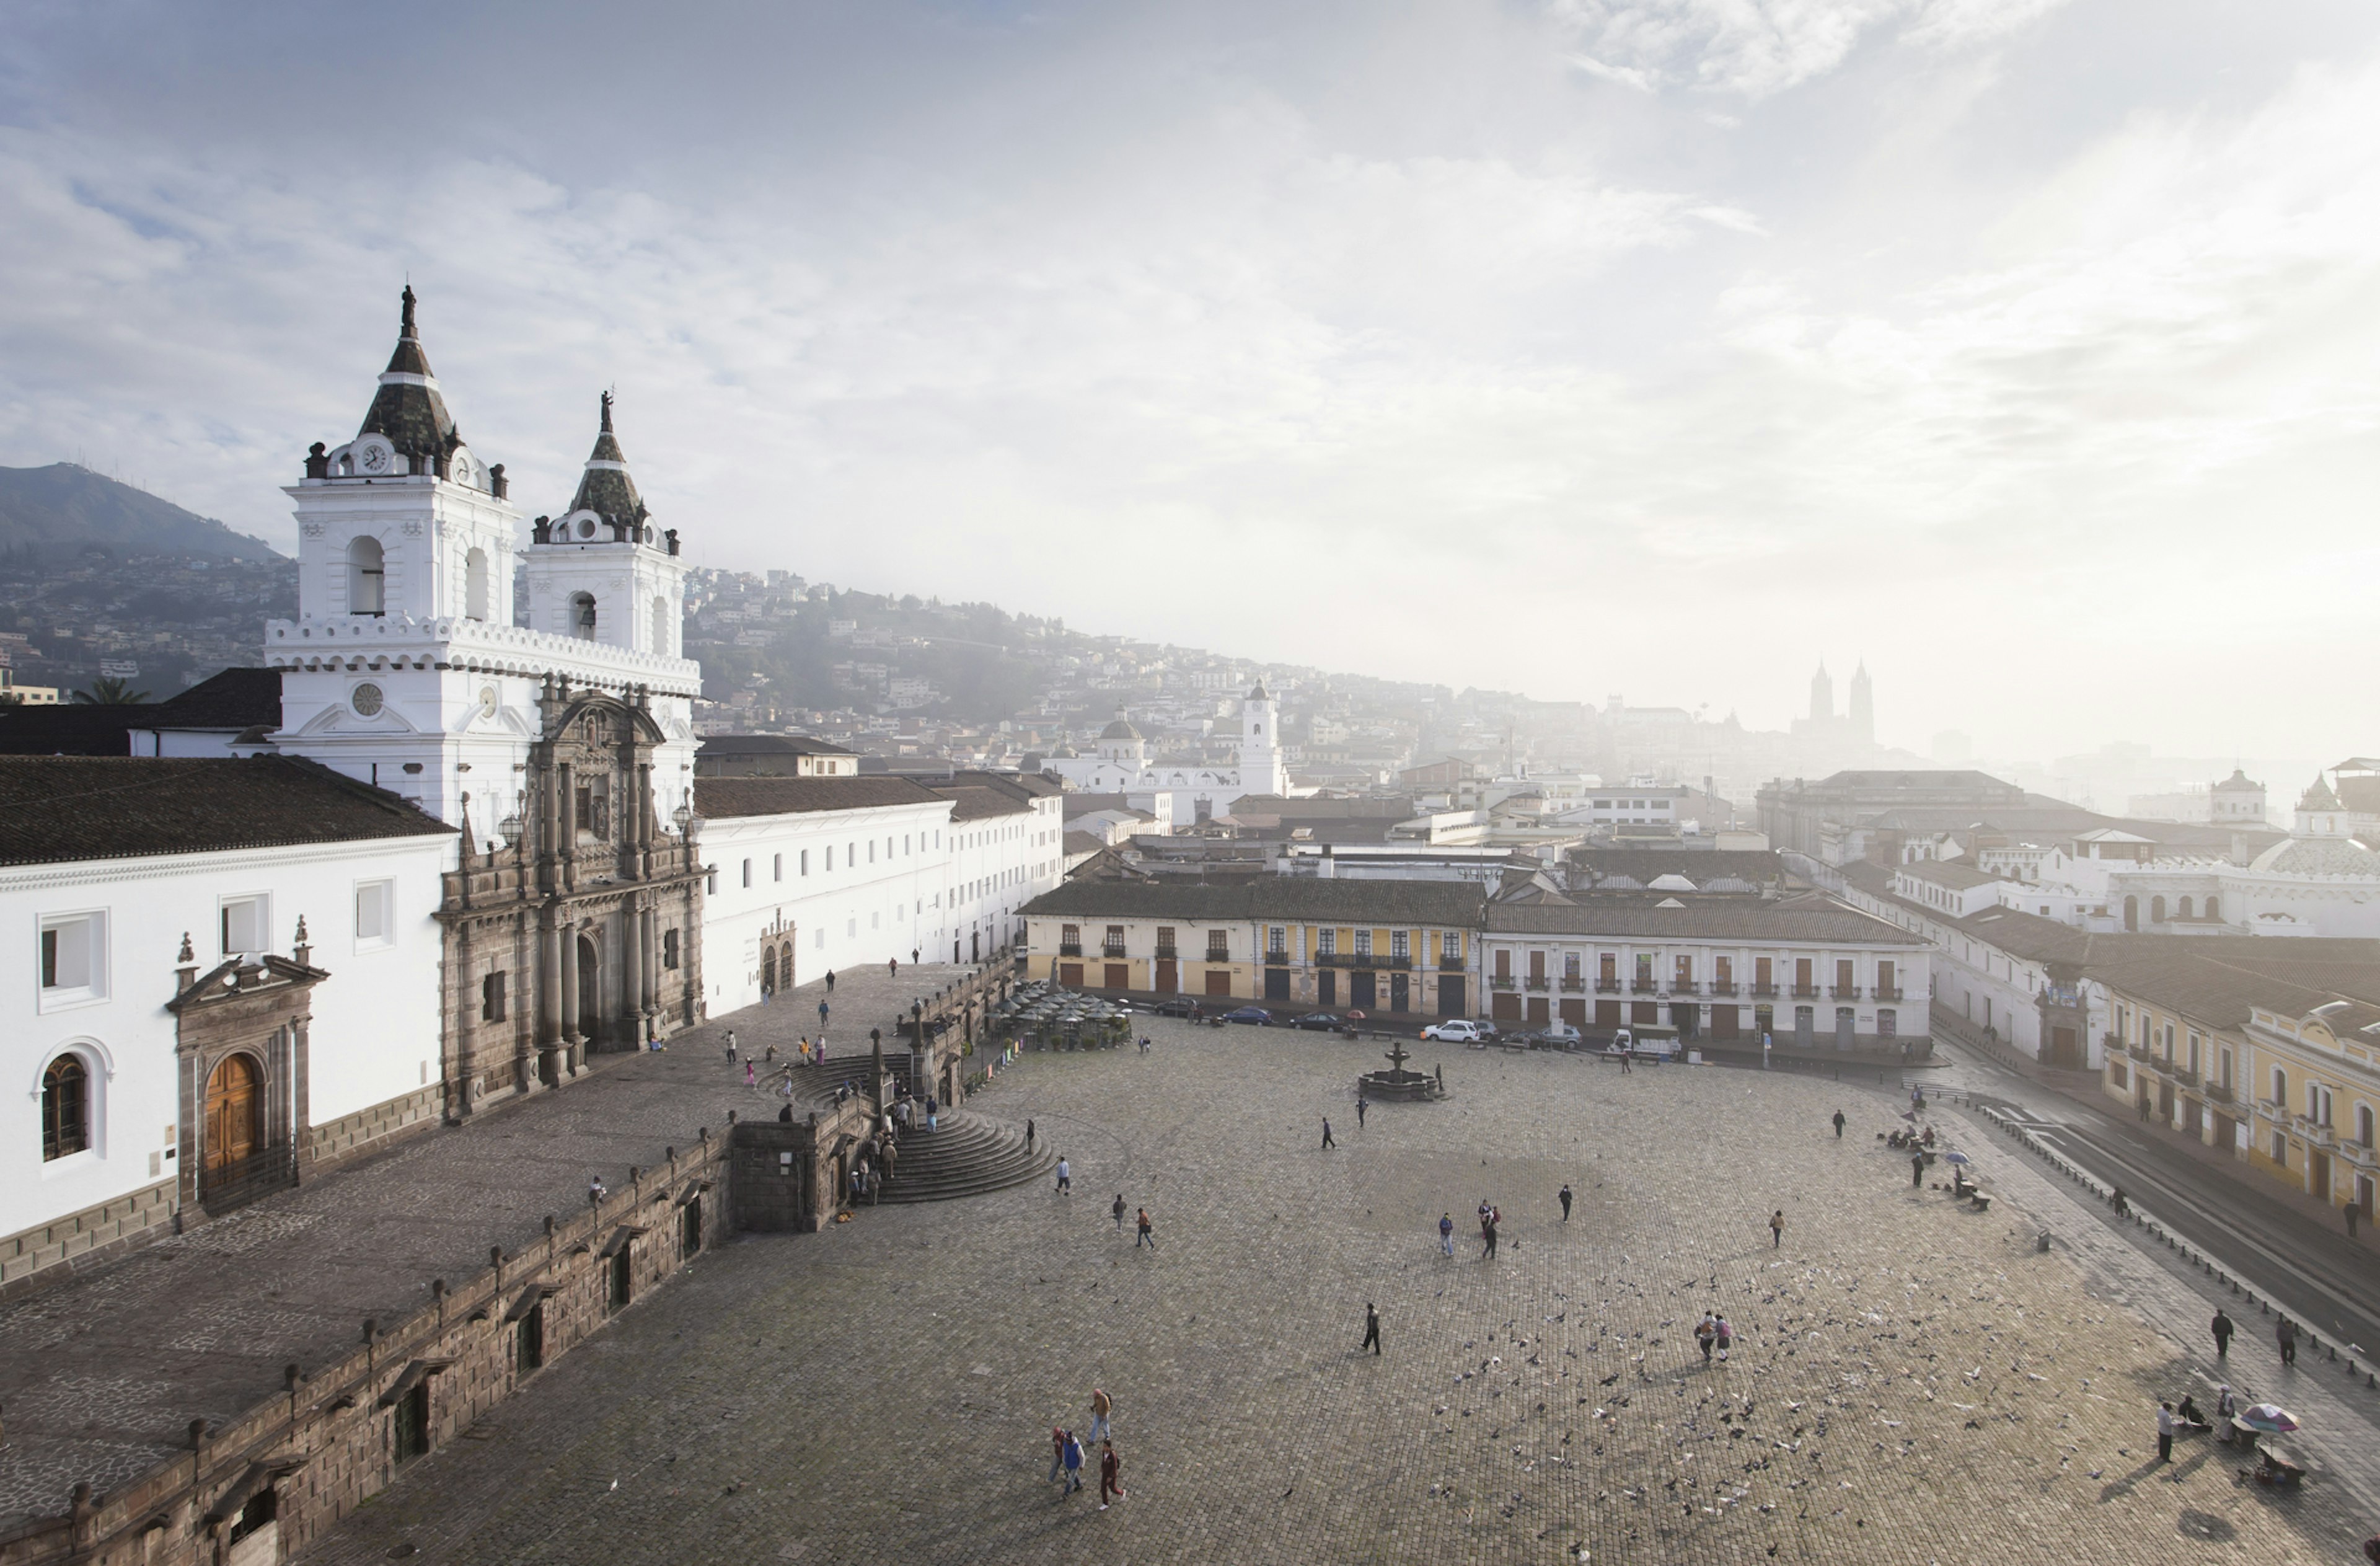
(1110,1473)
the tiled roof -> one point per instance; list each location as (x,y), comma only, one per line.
(73,730)
(970,803)
(58,808)
(604,487)
(407,408)
(1638,918)
(234,700)
(1697,865)
(2217,978)
(724,798)
(768,745)
(1955,874)
(1271,897)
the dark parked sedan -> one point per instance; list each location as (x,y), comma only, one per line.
(1323,1022)
(1255,1015)
(1178,1007)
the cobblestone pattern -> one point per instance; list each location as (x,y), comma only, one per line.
(102,1372)
(1912,1381)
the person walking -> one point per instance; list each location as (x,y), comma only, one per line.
(893,967)
(1565,1201)
(1707,1336)
(1028,1134)
(1839,1126)
(2352,1214)
(1073,1459)
(1776,1229)
(749,1080)
(1361,1105)
(1371,1330)
(2222,1329)
(822,1009)
(1057,1453)
(1446,1232)
(1916,1171)
(1118,1210)
(1326,1132)
(731,1046)
(1111,1475)
(830,981)
(2285,1333)
(1144,1043)
(2165,1426)
(2227,1408)
(1725,1336)
(1101,1406)
(595,1191)
(1488,1233)
(1065,1175)
(1148,1234)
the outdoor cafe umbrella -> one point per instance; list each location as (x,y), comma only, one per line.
(2271,1418)
(1958,1158)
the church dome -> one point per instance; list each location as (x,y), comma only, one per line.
(1119,729)
(606,490)
(1259,694)
(2319,797)
(407,410)
(2319,857)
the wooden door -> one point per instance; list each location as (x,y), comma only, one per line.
(235,1113)
(1169,977)
(1218,982)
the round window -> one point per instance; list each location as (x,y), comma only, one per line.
(586,527)
(365,700)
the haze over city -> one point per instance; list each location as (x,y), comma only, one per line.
(2025,350)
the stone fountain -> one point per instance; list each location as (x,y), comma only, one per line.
(1397,1082)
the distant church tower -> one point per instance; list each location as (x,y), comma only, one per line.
(1262,770)
(1822,697)
(1863,709)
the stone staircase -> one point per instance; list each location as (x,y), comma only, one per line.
(969,1156)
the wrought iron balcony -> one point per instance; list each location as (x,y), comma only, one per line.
(1502,981)
(1169,954)
(1451,965)
(1539,981)
(1722,987)
(1805,992)
(1606,986)
(1888,992)
(1643,987)
(1573,982)
(1845,991)
(2219,1092)
(1360,960)
(1763,992)
(1070,949)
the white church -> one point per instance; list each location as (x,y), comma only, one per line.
(1199,789)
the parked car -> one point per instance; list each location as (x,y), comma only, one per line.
(1179,1006)
(1255,1015)
(1459,1030)
(1323,1022)
(1557,1036)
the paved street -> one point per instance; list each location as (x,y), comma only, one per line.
(1912,1381)
(101,1374)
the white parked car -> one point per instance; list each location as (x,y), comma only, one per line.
(1459,1030)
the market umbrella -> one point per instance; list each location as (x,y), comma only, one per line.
(1958,1158)
(2271,1418)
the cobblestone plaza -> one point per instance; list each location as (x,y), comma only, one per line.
(1912,1380)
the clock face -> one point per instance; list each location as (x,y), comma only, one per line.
(487,701)
(375,459)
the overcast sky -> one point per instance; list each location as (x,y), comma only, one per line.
(2028,348)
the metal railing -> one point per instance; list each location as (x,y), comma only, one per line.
(1845,991)
(1573,982)
(1502,981)
(1888,992)
(1607,987)
(1070,949)
(1722,987)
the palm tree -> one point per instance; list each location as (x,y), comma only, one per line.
(110,691)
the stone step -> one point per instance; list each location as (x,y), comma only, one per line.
(970,1155)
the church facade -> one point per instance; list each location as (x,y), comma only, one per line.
(562,749)
(1199,789)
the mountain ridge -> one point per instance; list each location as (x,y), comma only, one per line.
(63,509)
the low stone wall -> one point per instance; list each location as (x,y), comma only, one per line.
(80,1238)
(368,1129)
(296,1464)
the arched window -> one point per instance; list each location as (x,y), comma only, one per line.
(65,1108)
(582,616)
(367,578)
(2156,910)
(661,626)
(475,585)
(2132,913)
(2280,1087)
(2363,1124)
(2214,907)
(2185,907)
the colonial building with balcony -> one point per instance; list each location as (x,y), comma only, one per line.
(1387,948)
(2267,1050)
(1808,971)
